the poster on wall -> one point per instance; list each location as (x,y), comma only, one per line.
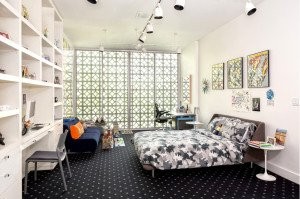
(218,76)
(258,70)
(235,73)
(241,101)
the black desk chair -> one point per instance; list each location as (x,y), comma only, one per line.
(50,156)
(161,116)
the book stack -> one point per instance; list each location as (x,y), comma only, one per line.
(259,144)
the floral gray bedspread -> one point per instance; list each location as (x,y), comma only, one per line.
(186,149)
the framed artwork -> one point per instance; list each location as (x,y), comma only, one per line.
(218,76)
(241,100)
(235,73)
(258,70)
(255,104)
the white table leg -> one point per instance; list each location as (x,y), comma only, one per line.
(265,176)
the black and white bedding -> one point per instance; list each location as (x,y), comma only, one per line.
(179,149)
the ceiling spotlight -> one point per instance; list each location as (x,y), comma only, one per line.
(179,5)
(250,9)
(93,1)
(158,12)
(143,38)
(101,48)
(149,28)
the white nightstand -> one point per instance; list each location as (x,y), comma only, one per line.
(265,176)
(195,123)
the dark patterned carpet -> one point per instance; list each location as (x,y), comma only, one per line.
(117,174)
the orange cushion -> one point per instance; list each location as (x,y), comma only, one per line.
(76,130)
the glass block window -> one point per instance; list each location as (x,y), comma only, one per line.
(88,96)
(68,82)
(166,80)
(186,89)
(142,71)
(115,87)
(122,86)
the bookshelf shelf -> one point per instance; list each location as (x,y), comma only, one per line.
(6,10)
(9,113)
(4,78)
(28,46)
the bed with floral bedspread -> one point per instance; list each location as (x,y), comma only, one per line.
(180,149)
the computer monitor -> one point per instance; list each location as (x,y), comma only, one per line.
(30,110)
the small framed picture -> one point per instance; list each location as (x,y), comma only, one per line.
(271,140)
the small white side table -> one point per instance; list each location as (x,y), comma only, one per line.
(195,123)
(265,176)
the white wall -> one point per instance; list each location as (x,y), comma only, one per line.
(189,66)
(275,27)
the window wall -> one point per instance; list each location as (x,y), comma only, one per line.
(121,86)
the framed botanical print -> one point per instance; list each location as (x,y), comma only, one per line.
(218,76)
(235,73)
(258,70)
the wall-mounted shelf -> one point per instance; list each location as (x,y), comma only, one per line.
(6,10)
(4,78)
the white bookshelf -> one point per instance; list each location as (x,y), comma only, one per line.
(41,53)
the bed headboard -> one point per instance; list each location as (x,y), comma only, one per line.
(251,154)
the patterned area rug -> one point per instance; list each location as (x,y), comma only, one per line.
(117,174)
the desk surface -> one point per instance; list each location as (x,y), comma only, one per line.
(182,114)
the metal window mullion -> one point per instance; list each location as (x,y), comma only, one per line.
(129,91)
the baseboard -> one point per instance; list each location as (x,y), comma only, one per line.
(292,176)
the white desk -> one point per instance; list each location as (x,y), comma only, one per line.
(265,176)
(195,123)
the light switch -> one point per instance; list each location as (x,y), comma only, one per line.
(295,101)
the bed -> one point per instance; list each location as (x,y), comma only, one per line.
(224,142)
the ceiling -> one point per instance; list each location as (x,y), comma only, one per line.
(84,23)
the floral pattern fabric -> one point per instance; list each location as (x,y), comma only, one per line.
(176,149)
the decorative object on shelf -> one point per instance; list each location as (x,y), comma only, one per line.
(2,71)
(280,136)
(186,89)
(24,99)
(47,57)
(6,35)
(1,139)
(32,76)
(258,70)
(56,63)
(25,12)
(255,104)
(45,32)
(56,80)
(271,140)
(235,73)
(115,129)
(218,76)
(205,85)
(5,107)
(241,101)
(55,99)
(56,42)
(25,71)
(26,127)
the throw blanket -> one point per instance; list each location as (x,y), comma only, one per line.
(186,149)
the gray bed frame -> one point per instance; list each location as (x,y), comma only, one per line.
(251,155)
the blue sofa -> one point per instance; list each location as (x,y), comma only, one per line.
(89,140)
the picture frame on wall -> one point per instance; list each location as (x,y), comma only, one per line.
(218,76)
(255,104)
(258,70)
(235,73)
